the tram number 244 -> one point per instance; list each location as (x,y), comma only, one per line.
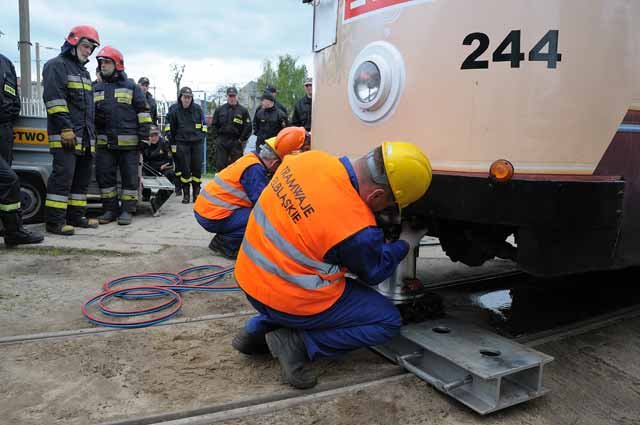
(515,56)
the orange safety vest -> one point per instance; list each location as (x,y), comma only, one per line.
(225,193)
(309,207)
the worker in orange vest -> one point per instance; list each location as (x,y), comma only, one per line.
(312,224)
(223,207)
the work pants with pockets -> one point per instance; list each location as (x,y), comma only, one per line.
(68,185)
(9,181)
(228,151)
(189,157)
(229,230)
(361,317)
(108,162)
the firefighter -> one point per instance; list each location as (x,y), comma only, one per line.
(302,111)
(269,120)
(173,152)
(157,162)
(143,82)
(68,97)
(10,213)
(312,224)
(224,205)
(274,91)
(232,126)
(187,130)
(122,125)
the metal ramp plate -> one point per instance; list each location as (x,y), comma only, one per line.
(155,183)
(476,367)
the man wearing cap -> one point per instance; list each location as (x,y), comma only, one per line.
(232,125)
(187,131)
(302,111)
(274,91)
(269,120)
(143,82)
(224,205)
(313,223)
(68,96)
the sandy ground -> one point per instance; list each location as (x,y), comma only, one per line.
(123,374)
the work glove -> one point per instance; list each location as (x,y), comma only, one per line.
(68,141)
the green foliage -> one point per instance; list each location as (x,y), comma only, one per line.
(287,77)
(177,71)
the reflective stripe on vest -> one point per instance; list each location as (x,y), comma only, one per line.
(224,194)
(309,207)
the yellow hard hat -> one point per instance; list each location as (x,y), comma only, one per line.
(408,171)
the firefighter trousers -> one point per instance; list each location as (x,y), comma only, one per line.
(67,186)
(189,157)
(228,151)
(108,162)
(361,317)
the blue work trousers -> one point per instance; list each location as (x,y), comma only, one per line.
(230,230)
(360,318)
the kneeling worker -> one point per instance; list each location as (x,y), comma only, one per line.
(226,202)
(313,223)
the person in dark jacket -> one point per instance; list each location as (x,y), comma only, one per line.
(274,91)
(187,130)
(232,125)
(68,97)
(122,124)
(10,212)
(143,82)
(269,120)
(302,111)
(157,162)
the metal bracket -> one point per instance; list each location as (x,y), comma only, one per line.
(475,366)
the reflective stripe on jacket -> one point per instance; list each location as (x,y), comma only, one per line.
(309,207)
(224,194)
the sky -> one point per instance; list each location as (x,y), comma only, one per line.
(219,41)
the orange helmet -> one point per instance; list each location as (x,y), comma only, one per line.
(108,52)
(83,31)
(289,140)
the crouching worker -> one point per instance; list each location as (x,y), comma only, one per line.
(157,162)
(226,202)
(311,225)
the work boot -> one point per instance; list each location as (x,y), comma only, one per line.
(196,191)
(60,229)
(249,344)
(178,190)
(107,217)
(185,193)
(288,347)
(221,249)
(15,233)
(125,218)
(84,222)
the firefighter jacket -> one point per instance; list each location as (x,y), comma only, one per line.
(232,122)
(9,100)
(302,114)
(185,125)
(122,113)
(281,260)
(68,97)
(225,193)
(267,123)
(153,108)
(156,155)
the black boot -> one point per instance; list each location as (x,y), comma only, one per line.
(84,222)
(15,233)
(107,217)
(185,193)
(217,246)
(196,191)
(288,347)
(60,229)
(249,344)
(125,218)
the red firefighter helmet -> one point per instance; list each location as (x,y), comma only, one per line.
(83,31)
(108,52)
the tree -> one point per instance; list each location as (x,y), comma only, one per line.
(288,77)
(177,71)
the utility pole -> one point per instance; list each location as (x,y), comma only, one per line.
(38,84)
(24,45)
